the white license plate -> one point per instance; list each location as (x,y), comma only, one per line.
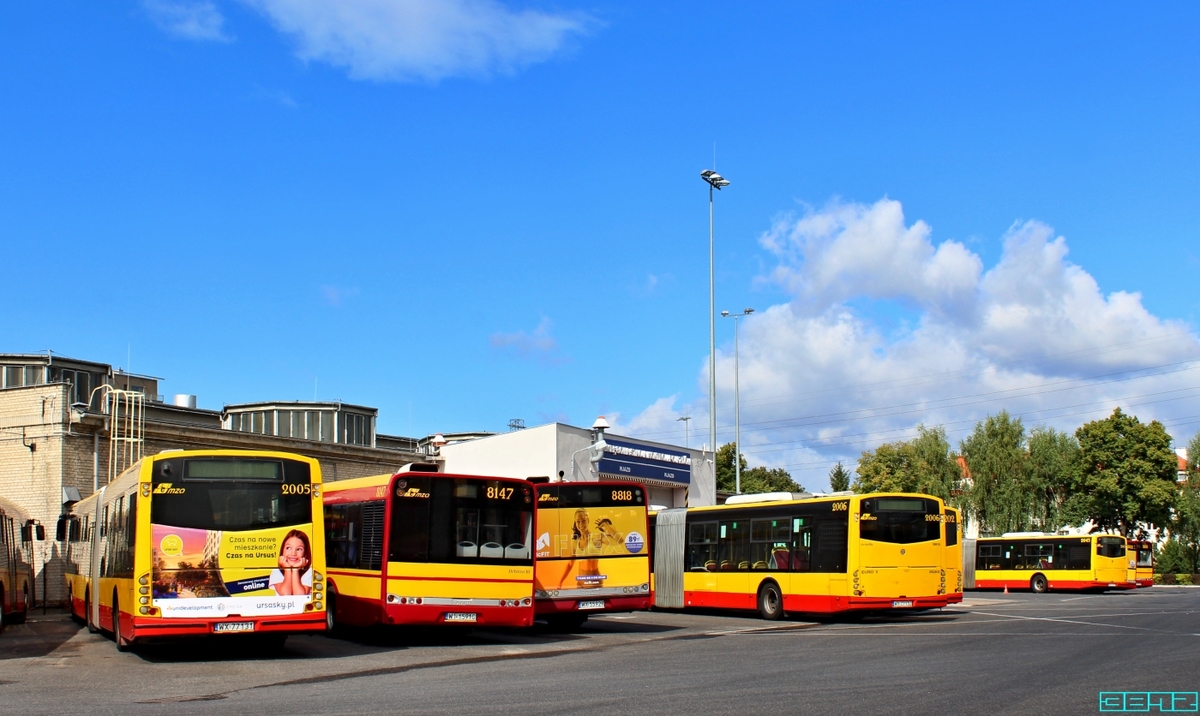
(461,617)
(231,627)
(902,603)
(595,604)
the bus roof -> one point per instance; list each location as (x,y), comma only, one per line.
(380,480)
(809,498)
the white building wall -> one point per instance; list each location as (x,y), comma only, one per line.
(521,454)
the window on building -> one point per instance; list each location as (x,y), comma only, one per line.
(283,418)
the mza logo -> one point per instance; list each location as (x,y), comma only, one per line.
(547,497)
(634,542)
(165,488)
(411,492)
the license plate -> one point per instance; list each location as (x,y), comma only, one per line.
(596,604)
(461,617)
(230,627)
(902,603)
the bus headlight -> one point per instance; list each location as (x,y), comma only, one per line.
(144,600)
(316,605)
(144,610)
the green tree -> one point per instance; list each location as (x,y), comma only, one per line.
(924,464)
(1000,496)
(1185,527)
(1054,479)
(754,479)
(1127,473)
(839,478)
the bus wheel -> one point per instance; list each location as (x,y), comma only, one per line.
(87,611)
(1038,584)
(770,601)
(122,645)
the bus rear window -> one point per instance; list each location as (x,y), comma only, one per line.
(900,520)
(230,494)
(1110,547)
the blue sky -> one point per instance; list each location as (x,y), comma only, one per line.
(466,212)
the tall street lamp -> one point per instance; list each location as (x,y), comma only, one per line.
(687,423)
(737,403)
(714,181)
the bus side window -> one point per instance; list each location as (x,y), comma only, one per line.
(702,547)
(734,537)
(801,544)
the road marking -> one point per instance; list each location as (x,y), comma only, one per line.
(1076,621)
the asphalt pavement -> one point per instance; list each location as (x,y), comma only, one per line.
(995,654)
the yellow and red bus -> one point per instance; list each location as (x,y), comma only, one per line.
(819,554)
(430,548)
(1040,561)
(16,556)
(190,543)
(1141,562)
(592,552)
(954,555)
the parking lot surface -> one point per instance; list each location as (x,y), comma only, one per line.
(994,654)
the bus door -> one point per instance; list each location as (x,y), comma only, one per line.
(94,567)
(700,579)
(670,541)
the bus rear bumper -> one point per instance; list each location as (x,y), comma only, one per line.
(898,603)
(465,615)
(611,604)
(157,627)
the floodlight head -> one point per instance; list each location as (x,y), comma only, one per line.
(725,314)
(714,179)
(748,311)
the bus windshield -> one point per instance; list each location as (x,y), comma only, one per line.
(230,494)
(900,520)
(1145,557)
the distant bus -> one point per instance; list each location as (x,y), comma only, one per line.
(430,548)
(1141,562)
(954,555)
(1040,562)
(807,554)
(16,556)
(188,543)
(592,551)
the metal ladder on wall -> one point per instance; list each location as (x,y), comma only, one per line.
(127,424)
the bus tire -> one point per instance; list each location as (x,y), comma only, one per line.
(770,601)
(122,645)
(87,611)
(331,624)
(1038,584)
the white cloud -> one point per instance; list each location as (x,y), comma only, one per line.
(188,18)
(539,344)
(1033,334)
(404,40)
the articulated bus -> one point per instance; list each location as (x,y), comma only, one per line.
(1040,561)
(799,553)
(201,542)
(16,556)
(1141,562)
(420,547)
(954,555)
(592,551)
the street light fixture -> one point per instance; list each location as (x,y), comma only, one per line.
(714,181)
(737,402)
(687,423)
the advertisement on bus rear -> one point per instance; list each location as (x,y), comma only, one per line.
(576,547)
(218,573)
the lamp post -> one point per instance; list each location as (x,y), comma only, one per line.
(714,181)
(687,423)
(737,402)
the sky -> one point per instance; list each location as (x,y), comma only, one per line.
(462,212)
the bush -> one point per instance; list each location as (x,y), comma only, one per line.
(1174,557)
(1158,579)
(1166,578)
(1183,579)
